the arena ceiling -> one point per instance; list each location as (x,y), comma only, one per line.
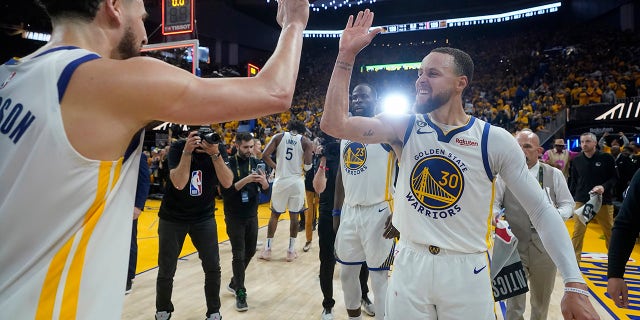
(26,14)
(331,13)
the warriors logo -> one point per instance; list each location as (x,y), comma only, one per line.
(436,182)
(354,156)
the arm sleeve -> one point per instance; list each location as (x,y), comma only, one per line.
(602,142)
(625,230)
(506,158)
(625,141)
(564,200)
(144,181)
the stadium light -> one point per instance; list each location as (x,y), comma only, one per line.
(395,103)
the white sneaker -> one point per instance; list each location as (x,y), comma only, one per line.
(367,307)
(214,316)
(326,314)
(265,255)
(291,256)
(163,315)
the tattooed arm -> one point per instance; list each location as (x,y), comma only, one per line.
(335,120)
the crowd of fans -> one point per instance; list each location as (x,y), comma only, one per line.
(521,81)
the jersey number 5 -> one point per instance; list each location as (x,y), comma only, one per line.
(289,155)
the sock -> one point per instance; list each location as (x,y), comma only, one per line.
(292,244)
(267,246)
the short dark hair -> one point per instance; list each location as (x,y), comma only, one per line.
(86,9)
(374,92)
(297,126)
(243,137)
(462,60)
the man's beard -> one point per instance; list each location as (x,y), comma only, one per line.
(127,47)
(432,103)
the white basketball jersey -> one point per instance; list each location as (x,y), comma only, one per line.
(289,156)
(445,192)
(368,172)
(65,220)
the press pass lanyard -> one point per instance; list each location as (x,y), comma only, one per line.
(238,166)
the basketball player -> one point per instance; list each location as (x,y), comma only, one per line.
(64,226)
(294,152)
(448,161)
(539,268)
(364,191)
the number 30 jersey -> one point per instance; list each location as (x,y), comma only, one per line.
(445,189)
(289,156)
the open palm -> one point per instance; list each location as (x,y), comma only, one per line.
(356,34)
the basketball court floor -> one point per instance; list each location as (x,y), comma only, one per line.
(290,290)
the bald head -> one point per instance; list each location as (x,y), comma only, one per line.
(530,145)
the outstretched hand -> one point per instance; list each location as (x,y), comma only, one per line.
(577,306)
(356,34)
(292,11)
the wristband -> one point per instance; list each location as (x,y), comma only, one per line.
(323,168)
(187,153)
(577,290)
(336,212)
(215,156)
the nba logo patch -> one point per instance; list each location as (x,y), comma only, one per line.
(354,156)
(195,185)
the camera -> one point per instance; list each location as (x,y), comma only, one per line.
(208,135)
(330,146)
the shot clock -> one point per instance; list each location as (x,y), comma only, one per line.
(177,16)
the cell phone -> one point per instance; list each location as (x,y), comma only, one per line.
(261,167)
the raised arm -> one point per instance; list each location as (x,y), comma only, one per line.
(335,120)
(128,94)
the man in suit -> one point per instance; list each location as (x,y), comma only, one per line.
(540,269)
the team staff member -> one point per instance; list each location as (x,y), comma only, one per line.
(539,268)
(592,171)
(241,212)
(90,70)
(623,238)
(448,161)
(195,168)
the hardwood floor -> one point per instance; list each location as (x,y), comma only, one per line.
(283,290)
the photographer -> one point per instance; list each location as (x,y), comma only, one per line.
(196,166)
(241,212)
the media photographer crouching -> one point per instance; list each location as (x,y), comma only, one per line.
(196,166)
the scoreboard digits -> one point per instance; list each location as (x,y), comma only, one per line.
(177,16)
